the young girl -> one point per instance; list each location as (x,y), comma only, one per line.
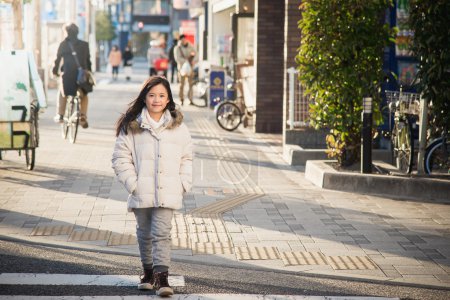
(153,159)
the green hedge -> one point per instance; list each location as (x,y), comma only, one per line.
(430,21)
(340,61)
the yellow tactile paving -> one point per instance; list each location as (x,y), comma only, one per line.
(117,239)
(303,258)
(351,263)
(48,230)
(256,253)
(90,235)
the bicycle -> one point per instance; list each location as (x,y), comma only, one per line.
(406,107)
(231,113)
(71,118)
(437,155)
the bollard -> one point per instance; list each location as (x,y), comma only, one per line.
(366,136)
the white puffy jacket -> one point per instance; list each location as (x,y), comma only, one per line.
(155,166)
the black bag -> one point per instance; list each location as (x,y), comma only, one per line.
(85,80)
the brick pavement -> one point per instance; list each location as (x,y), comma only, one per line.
(247,207)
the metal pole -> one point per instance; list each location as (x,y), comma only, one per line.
(291,72)
(366,144)
(423,121)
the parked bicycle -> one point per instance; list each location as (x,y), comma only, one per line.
(232,112)
(71,119)
(437,155)
(405,107)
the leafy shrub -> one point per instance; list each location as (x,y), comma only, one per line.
(340,61)
(431,45)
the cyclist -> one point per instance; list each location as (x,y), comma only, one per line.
(69,47)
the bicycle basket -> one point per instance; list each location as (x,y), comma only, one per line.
(405,103)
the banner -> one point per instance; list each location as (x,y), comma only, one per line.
(14,86)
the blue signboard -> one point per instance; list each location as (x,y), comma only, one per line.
(217,87)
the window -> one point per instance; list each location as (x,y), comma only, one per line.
(151,7)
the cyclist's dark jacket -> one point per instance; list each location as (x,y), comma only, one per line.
(69,67)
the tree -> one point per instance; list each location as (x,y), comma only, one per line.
(340,61)
(430,44)
(104,29)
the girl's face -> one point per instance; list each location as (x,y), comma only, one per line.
(156,101)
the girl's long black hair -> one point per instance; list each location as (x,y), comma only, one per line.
(135,107)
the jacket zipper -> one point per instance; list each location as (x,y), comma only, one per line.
(156,172)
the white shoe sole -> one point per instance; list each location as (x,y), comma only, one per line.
(145,286)
(164,292)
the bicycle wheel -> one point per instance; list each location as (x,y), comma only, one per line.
(403,145)
(30,158)
(65,123)
(34,128)
(74,121)
(437,157)
(228,116)
(30,154)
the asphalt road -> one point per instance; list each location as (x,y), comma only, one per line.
(199,278)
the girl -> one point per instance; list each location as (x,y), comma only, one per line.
(153,159)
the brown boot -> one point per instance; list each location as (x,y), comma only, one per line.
(147,280)
(161,285)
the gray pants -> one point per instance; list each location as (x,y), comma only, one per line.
(153,235)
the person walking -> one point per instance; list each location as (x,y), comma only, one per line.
(172,61)
(154,52)
(152,158)
(185,53)
(115,58)
(127,62)
(69,51)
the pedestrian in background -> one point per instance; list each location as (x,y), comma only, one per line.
(184,55)
(115,58)
(152,158)
(154,52)
(172,61)
(127,62)
(68,49)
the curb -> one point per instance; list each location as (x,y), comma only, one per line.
(321,174)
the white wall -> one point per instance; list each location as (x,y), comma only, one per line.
(219,25)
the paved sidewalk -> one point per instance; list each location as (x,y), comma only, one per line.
(247,208)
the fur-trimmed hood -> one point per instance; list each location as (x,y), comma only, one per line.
(139,124)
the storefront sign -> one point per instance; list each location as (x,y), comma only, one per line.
(217,87)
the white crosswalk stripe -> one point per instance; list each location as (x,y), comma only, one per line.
(77,279)
(131,280)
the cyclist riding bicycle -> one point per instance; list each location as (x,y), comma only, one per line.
(68,48)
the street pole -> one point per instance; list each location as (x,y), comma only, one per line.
(423,121)
(366,145)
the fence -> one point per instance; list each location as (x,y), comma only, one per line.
(297,106)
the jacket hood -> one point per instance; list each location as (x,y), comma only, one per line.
(136,125)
